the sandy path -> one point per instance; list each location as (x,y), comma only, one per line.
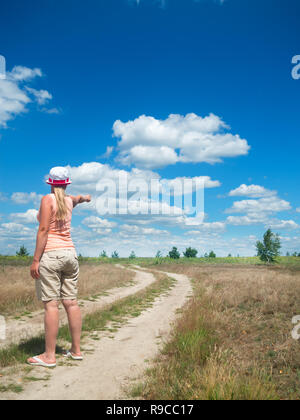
(17,330)
(115,361)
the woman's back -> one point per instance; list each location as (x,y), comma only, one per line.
(59,236)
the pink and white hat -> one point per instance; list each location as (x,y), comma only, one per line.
(59,176)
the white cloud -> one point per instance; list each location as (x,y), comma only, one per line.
(109,152)
(15,97)
(208,227)
(282,224)
(21,74)
(25,198)
(298,210)
(252,219)
(254,191)
(150,157)
(261,206)
(94,222)
(189,184)
(41,96)
(86,177)
(150,143)
(13,101)
(16,231)
(258,211)
(30,217)
(134,230)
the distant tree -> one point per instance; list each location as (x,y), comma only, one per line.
(159,254)
(295,254)
(212,255)
(299,254)
(288,254)
(190,253)
(174,254)
(229,256)
(132,256)
(206,255)
(103,254)
(269,249)
(22,252)
(115,255)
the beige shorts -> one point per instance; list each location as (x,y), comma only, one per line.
(59,271)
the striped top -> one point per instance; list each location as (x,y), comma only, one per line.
(59,236)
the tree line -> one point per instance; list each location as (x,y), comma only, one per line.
(267,250)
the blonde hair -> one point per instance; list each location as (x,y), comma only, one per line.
(62,208)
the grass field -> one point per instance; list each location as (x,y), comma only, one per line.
(18,288)
(234,338)
(285,261)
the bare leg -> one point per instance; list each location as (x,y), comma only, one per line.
(75,324)
(51,331)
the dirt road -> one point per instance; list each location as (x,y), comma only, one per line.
(115,362)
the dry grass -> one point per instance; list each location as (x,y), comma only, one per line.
(18,289)
(234,340)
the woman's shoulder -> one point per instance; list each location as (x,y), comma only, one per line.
(48,199)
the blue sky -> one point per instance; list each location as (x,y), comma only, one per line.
(87,77)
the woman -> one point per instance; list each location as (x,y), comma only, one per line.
(55,266)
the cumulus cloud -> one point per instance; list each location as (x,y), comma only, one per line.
(15,95)
(208,227)
(254,191)
(25,198)
(261,206)
(189,185)
(298,210)
(150,157)
(30,217)
(252,219)
(86,177)
(135,198)
(149,143)
(18,231)
(21,74)
(260,210)
(134,230)
(282,224)
(94,222)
